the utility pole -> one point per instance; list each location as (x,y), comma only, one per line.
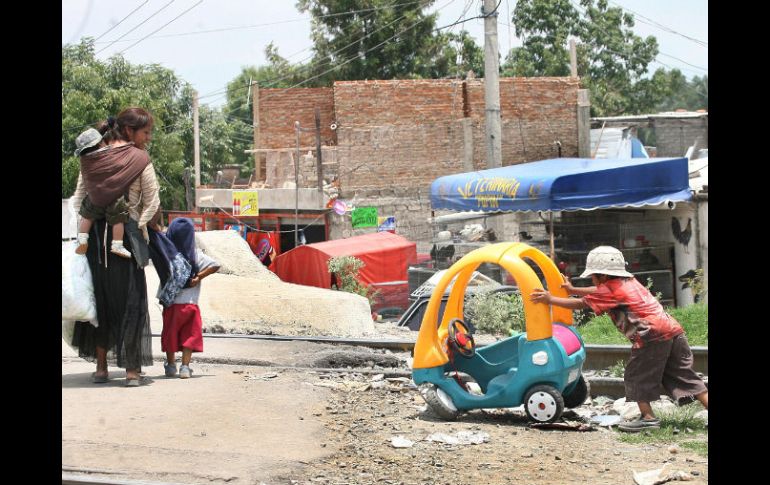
(492,86)
(196,141)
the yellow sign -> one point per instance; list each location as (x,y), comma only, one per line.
(245,203)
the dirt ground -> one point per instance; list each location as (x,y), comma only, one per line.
(260,425)
(363,422)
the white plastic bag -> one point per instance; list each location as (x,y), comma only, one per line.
(77,286)
(68,331)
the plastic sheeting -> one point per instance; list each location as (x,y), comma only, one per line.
(386,257)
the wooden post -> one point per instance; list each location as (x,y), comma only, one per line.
(196,141)
(255,117)
(188,195)
(318,159)
(553,252)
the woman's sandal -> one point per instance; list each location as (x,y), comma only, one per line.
(133,381)
(99,379)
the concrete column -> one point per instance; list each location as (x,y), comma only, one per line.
(584,124)
(492,86)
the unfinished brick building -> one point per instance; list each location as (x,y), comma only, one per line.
(393,138)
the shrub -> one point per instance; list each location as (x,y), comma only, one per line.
(346,269)
(496,313)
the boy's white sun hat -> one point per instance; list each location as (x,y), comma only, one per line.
(605,260)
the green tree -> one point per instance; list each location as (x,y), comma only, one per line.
(92,90)
(544,26)
(611,58)
(452,55)
(690,95)
(377,42)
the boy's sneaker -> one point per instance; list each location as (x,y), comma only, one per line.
(117,248)
(170,369)
(185,372)
(639,425)
(82,243)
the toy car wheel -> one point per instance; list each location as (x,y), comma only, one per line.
(439,401)
(543,404)
(579,394)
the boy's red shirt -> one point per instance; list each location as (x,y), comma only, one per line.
(634,311)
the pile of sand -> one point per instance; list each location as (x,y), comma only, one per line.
(246,297)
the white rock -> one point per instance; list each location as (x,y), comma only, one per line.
(401,442)
(628,410)
(460,438)
(703,415)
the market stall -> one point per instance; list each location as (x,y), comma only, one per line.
(574,205)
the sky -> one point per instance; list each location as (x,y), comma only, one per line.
(168,32)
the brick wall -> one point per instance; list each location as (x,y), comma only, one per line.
(397,102)
(395,137)
(534,113)
(408,132)
(280,108)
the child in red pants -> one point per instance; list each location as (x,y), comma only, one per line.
(182,324)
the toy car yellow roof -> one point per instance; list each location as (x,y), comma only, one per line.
(429,350)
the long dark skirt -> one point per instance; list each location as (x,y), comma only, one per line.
(121,306)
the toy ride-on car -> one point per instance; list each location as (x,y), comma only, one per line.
(540,369)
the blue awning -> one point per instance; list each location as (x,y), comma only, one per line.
(564,184)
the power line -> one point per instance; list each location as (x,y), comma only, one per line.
(685,62)
(168,129)
(314,63)
(280,22)
(140,24)
(318,64)
(162,26)
(580,8)
(121,20)
(661,26)
(365,52)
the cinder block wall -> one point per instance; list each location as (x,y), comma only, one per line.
(675,135)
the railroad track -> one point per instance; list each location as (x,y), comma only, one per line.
(598,357)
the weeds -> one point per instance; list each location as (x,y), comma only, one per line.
(678,425)
(683,417)
(619,369)
(699,447)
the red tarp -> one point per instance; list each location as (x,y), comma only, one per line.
(386,257)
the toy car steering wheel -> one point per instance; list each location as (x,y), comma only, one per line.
(461,339)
